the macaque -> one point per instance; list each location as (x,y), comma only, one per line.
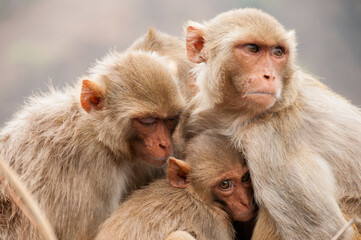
(81,151)
(175,50)
(301,140)
(202,196)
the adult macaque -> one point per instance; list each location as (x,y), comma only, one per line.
(81,151)
(173,49)
(301,140)
(201,197)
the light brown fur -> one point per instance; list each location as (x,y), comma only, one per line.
(79,165)
(174,49)
(159,209)
(303,151)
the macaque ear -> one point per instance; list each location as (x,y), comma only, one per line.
(151,34)
(195,43)
(92,96)
(178,171)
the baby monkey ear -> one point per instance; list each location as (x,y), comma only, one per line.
(92,96)
(178,171)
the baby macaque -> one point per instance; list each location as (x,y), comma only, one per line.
(202,196)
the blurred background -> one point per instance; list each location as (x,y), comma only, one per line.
(43,41)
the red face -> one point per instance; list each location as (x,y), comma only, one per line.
(234,190)
(260,69)
(153,142)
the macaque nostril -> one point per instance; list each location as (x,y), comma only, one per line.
(266,76)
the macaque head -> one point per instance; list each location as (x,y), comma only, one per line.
(247,55)
(217,174)
(135,104)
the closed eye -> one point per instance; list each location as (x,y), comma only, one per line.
(147,121)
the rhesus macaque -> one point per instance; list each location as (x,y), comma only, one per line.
(201,197)
(81,151)
(175,50)
(301,140)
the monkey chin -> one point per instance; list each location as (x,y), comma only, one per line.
(156,162)
(244,217)
(263,101)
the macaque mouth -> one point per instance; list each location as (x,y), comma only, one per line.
(244,216)
(162,159)
(247,213)
(158,162)
(261,93)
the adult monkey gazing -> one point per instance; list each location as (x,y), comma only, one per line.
(301,140)
(81,151)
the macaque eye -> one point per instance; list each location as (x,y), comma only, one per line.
(278,51)
(173,119)
(147,121)
(253,48)
(226,184)
(172,122)
(246,177)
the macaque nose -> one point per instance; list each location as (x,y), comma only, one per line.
(269,77)
(166,145)
(163,145)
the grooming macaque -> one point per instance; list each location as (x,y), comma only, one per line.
(173,49)
(81,151)
(201,197)
(301,140)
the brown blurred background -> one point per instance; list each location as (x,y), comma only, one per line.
(43,41)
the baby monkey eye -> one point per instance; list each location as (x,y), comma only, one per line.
(147,121)
(253,48)
(278,51)
(226,184)
(246,177)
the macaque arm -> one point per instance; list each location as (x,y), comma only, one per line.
(265,228)
(295,197)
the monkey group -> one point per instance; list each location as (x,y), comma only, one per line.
(219,136)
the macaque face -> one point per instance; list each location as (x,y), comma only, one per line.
(234,191)
(259,68)
(153,141)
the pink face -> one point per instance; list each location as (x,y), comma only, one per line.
(234,190)
(153,143)
(261,68)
